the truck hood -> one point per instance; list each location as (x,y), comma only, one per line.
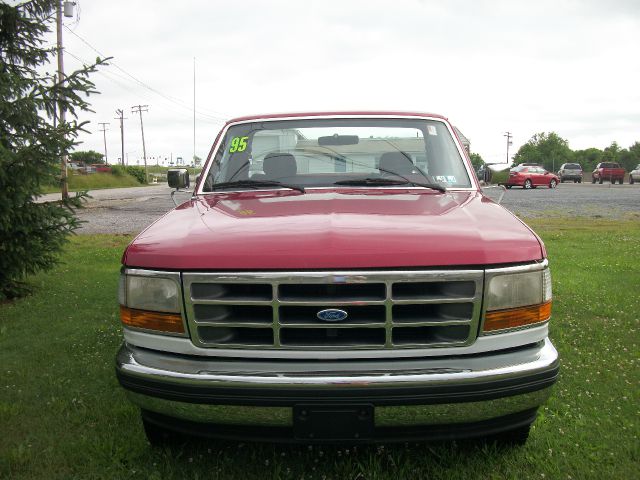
(334,229)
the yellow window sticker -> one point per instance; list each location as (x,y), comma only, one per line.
(238,144)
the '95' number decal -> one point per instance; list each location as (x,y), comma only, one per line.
(238,144)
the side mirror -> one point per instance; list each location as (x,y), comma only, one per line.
(178,178)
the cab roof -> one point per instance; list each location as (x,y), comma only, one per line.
(381,113)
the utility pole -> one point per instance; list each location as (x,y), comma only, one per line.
(120,117)
(68,12)
(64,186)
(104,135)
(509,143)
(139,109)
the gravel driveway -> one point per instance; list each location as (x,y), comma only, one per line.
(574,199)
(129,210)
(123,210)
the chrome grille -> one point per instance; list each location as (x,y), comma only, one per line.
(386,309)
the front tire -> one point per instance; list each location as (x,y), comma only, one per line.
(593,179)
(631,180)
(600,181)
(553,184)
(158,436)
(516,437)
(527,184)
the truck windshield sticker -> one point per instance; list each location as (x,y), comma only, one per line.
(238,144)
(451,179)
(432,130)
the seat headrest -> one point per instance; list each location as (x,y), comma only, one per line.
(279,165)
(396,162)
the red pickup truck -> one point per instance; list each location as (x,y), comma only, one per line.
(609,171)
(337,277)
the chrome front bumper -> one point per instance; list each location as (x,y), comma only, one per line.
(403,393)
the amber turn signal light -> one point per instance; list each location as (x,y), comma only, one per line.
(516,317)
(164,322)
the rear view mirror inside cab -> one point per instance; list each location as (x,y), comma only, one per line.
(338,140)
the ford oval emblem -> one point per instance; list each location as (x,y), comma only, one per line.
(332,315)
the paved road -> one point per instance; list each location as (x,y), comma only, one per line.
(129,210)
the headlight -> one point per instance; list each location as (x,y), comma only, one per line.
(150,293)
(152,303)
(518,299)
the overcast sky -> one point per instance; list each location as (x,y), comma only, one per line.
(490,66)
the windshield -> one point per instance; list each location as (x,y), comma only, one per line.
(328,152)
(572,166)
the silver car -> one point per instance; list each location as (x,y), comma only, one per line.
(634,175)
(570,171)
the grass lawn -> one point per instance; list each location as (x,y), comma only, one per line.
(62,414)
(95,181)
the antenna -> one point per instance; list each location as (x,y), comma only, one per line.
(194,111)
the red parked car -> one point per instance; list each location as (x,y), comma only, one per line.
(101,168)
(531,177)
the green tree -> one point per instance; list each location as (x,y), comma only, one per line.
(547,149)
(611,153)
(87,157)
(31,233)
(135,172)
(476,160)
(630,157)
(588,158)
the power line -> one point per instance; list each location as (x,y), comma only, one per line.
(109,74)
(113,77)
(141,83)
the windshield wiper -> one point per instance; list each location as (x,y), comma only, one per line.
(256,184)
(369,181)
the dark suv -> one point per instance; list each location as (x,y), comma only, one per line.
(570,171)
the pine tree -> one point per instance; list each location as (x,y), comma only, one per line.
(33,233)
